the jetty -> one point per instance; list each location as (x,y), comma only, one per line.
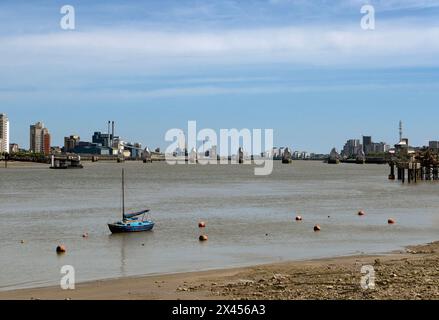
(66,162)
(413,165)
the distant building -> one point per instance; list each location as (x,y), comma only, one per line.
(380,147)
(367,144)
(13,148)
(4,133)
(36,140)
(91,148)
(40,139)
(71,142)
(46,141)
(434,145)
(213,153)
(352,148)
(135,150)
(55,150)
(104,139)
(304,155)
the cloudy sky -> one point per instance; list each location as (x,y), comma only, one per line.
(304,68)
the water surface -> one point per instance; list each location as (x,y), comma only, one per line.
(250,218)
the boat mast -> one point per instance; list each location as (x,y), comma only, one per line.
(123,194)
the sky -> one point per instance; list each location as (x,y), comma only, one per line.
(305,69)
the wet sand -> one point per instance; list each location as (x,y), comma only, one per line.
(409,274)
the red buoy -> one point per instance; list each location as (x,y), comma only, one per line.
(299,218)
(61,249)
(201,224)
(391,221)
(203,237)
(317,228)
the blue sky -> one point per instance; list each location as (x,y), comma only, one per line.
(304,68)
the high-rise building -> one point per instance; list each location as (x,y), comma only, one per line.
(367,144)
(71,142)
(352,148)
(46,141)
(4,133)
(39,139)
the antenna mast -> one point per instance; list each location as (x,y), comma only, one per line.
(400,130)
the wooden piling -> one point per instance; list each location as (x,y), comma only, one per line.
(392,171)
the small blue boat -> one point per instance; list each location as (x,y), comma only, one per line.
(131,222)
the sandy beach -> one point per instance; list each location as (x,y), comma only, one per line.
(409,274)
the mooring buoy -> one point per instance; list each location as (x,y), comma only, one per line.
(391,221)
(61,249)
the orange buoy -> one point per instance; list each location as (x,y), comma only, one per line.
(201,224)
(203,237)
(391,221)
(85,235)
(61,249)
(299,218)
(361,213)
(317,228)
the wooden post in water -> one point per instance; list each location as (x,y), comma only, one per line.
(6,160)
(392,171)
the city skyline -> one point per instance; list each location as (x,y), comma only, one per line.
(351,147)
(307,70)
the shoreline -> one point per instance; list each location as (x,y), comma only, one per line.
(409,274)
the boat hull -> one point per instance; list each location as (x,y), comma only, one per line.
(126,227)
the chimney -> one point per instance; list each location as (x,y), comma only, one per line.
(108,141)
(112,132)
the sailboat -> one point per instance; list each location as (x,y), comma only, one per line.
(131,222)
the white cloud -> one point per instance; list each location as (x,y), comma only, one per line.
(398,45)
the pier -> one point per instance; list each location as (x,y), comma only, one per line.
(66,162)
(413,166)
